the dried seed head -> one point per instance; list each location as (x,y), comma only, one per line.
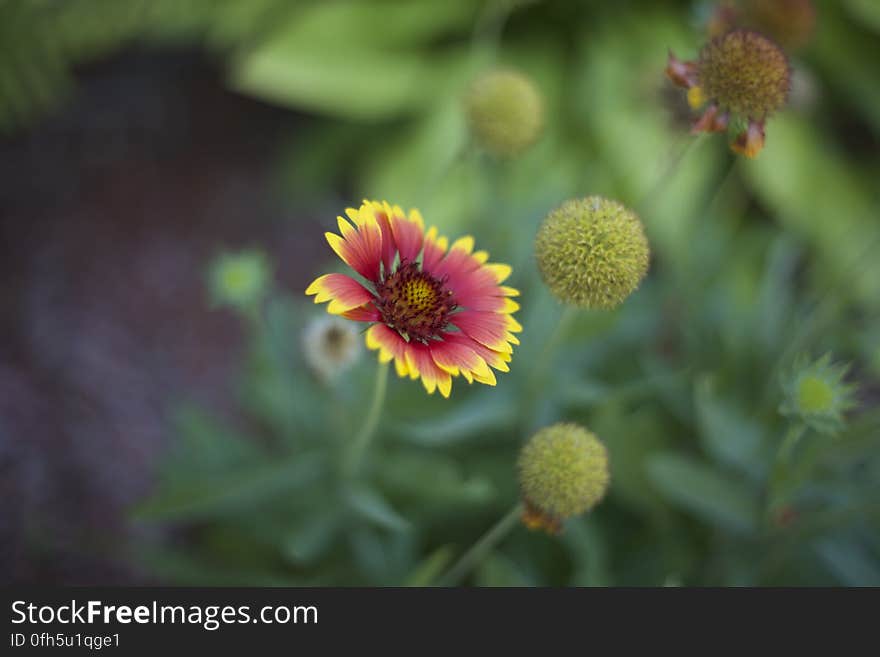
(592,252)
(745,74)
(330,346)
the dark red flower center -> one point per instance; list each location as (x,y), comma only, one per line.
(414,303)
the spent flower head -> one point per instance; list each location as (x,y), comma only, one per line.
(239,280)
(816,394)
(437,310)
(563,472)
(505,112)
(592,252)
(330,346)
(740,79)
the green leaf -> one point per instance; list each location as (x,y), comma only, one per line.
(329,59)
(431,567)
(704,492)
(866,11)
(587,546)
(237,490)
(499,570)
(727,433)
(481,414)
(370,554)
(310,539)
(371,506)
(430,480)
(850,562)
(805,182)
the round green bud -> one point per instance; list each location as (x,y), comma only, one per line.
(563,472)
(239,279)
(592,252)
(815,395)
(745,74)
(505,112)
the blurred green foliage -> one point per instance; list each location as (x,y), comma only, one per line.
(754,264)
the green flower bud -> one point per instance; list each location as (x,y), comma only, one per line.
(592,252)
(745,74)
(563,472)
(330,346)
(505,112)
(239,280)
(816,394)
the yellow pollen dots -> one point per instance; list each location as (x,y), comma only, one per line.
(414,303)
(419,294)
(696,98)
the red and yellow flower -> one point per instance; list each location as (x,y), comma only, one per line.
(437,310)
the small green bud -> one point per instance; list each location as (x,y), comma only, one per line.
(330,346)
(239,280)
(745,74)
(505,112)
(816,394)
(592,252)
(563,472)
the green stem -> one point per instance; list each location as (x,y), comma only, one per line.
(566,319)
(792,438)
(780,469)
(368,429)
(482,547)
(544,363)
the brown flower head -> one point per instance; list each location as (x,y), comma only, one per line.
(739,80)
(745,74)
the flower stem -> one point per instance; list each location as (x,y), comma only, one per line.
(792,438)
(368,429)
(482,547)
(780,470)
(544,364)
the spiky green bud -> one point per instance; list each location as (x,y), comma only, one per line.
(239,280)
(745,74)
(592,252)
(505,112)
(563,472)
(816,394)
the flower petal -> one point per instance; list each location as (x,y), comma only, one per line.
(390,345)
(365,313)
(496,359)
(487,328)
(360,248)
(380,213)
(408,237)
(422,365)
(435,248)
(343,292)
(455,357)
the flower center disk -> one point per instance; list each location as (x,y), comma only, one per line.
(414,303)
